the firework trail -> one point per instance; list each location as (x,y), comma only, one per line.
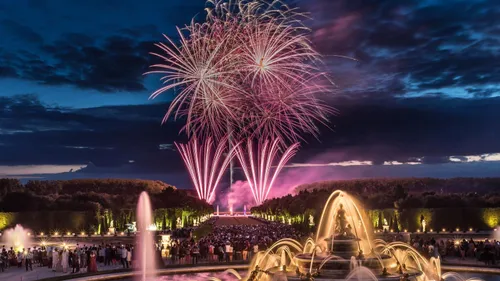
(206,165)
(260,167)
(248,71)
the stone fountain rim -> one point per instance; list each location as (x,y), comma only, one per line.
(301,257)
(159,272)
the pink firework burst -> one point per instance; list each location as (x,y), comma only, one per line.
(284,113)
(262,166)
(247,60)
(198,68)
(206,164)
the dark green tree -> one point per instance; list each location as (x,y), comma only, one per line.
(380,220)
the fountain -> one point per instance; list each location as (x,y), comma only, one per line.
(343,249)
(145,241)
(17,237)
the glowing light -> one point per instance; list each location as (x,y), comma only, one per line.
(258,165)
(56,233)
(82,233)
(444,229)
(431,230)
(457,229)
(470,229)
(205,166)
(69,233)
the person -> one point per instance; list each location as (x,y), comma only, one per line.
(55,256)
(255,249)
(220,253)
(107,255)
(20,257)
(59,267)
(75,263)
(92,262)
(29,260)
(129,257)
(245,253)
(227,249)
(174,252)
(231,252)
(463,249)
(211,252)
(65,261)
(3,259)
(195,252)
(124,257)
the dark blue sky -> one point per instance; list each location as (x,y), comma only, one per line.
(426,85)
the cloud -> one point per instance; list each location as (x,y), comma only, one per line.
(13,31)
(35,133)
(423,47)
(116,63)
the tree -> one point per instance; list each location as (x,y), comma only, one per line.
(9,185)
(164,223)
(380,221)
(396,223)
(400,192)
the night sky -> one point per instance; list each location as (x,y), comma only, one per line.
(424,90)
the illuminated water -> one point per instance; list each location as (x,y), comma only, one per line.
(210,276)
(145,241)
(343,248)
(204,276)
(351,255)
(17,237)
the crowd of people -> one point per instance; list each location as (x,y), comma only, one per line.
(227,243)
(224,243)
(487,251)
(67,258)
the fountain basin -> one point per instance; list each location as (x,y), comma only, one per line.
(339,267)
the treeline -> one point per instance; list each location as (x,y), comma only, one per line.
(413,185)
(380,195)
(92,195)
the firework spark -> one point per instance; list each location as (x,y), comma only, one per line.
(206,165)
(258,165)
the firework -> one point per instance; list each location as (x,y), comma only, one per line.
(258,165)
(248,71)
(250,61)
(205,165)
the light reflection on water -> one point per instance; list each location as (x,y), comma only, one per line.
(485,277)
(204,276)
(207,276)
